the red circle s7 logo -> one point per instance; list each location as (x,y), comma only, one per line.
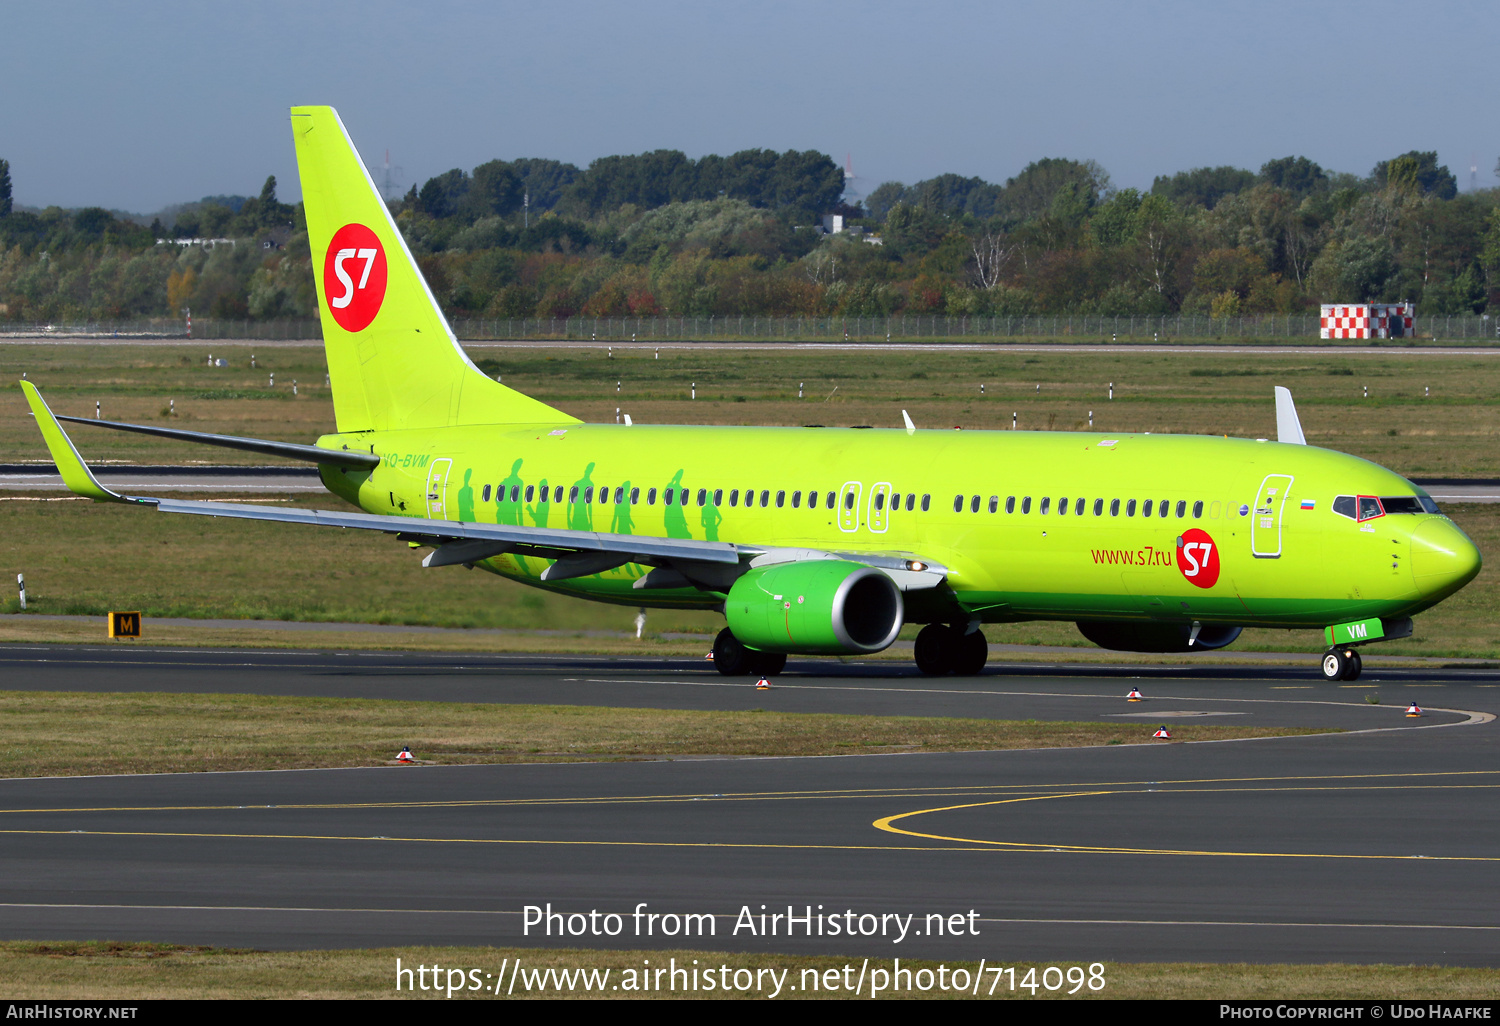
(1198,558)
(354,276)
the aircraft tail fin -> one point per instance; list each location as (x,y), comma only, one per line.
(393,362)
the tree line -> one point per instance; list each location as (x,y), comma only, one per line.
(663,234)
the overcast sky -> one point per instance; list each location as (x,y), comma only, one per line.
(138,105)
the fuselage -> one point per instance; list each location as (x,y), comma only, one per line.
(1055,525)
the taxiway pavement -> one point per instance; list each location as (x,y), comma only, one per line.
(1376,845)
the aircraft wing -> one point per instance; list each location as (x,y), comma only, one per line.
(680,562)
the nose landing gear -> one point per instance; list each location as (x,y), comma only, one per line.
(1341,664)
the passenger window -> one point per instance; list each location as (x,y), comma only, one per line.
(1162,508)
(1098,507)
(1114,507)
(1130,508)
(530,492)
(734,496)
(588,494)
(1062,507)
(635,496)
(828,500)
(974,504)
(1046,502)
(926,502)
(1026,504)
(812,500)
(848,500)
(619,495)
(749,498)
(797,499)
(911,498)
(994,503)
(718,496)
(780,499)
(1181,508)
(515,493)
(666,497)
(1369,508)
(765,497)
(879,500)
(573,494)
(703,496)
(603,496)
(485,495)
(1010,504)
(557,496)
(895,501)
(958,504)
(1198,509)
(1213,510)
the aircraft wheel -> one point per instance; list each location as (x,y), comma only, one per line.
(970,652)
(731,658)
(934,649)
(767,664)
(1353,665)
(1335,665)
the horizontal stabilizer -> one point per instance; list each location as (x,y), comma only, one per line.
(288,450)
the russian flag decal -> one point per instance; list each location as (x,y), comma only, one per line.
(1308,503)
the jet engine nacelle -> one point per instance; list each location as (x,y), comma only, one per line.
(815,607)
(1125,636)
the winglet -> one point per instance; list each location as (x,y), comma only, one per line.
(911,428)
(75,473)
(1288,427)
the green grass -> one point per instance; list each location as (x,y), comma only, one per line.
(1449,433)
(84,558)
(122,971)
(70,734)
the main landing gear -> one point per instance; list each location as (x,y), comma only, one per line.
(942,649)
(733,659)
(1341,664)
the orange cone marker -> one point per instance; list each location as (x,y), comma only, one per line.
(1134,696)
(405,756)
(709,657)
(763,685)
(1414,711)
(1162,731)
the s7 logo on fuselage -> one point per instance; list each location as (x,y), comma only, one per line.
(1198,557)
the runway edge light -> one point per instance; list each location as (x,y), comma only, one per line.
(1162,731)
(763,685)
(1414,710)
(405,755)
(1134,696)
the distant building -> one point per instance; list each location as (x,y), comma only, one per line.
(1366,320)
(833,224)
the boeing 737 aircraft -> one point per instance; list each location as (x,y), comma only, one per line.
(818,540)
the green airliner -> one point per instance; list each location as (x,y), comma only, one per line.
(823,541)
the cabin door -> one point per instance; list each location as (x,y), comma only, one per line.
(1265,517)
(437,489)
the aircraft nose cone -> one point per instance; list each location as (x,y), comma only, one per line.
(1443,559)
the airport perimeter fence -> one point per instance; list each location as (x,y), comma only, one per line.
(912,328)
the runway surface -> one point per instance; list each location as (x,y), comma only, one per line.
(1377,845)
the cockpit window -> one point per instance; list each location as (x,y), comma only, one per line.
(1369,508)
(1345,506)
(1401,504)
(1428,504)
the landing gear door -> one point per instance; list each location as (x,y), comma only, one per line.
(1265,518)
(849,506)
(437,489)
